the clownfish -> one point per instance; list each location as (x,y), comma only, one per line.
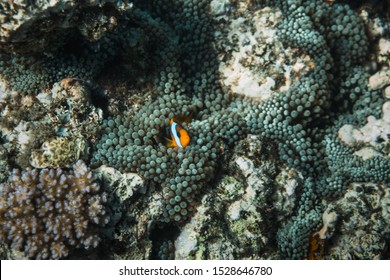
(179,135)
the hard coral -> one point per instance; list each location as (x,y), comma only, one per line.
(47,213)
(58,152)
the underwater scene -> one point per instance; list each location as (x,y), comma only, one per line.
(195,129)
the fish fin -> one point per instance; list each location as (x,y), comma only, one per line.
(188,118)
(169,142)
(183,118)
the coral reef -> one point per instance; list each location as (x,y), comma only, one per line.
(363,232)
(58,152)
(282,101)
(47,213)
(291,118)
(374,135)
(81,40)
(130,225)
(28,26)
(237,219)
(52,129)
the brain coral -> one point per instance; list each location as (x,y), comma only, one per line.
(46,213)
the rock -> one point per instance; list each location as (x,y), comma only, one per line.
(288,181)
(329,219)
(220,7)
(363,230)
(237,218)
(255,64)
(367,152)
(387,92)
(187,242)
(132,215)
(384,51)
(380,79)
(374,134)
(124,185)
(59,152)
(30,26)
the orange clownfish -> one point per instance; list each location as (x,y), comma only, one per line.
(180,137)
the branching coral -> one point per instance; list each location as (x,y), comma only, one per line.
(47,213)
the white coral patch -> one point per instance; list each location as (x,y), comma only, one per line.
(237,73)
(373,133)
(219,7)
(188,239)
(380,79)
(23,134)
(245,165)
